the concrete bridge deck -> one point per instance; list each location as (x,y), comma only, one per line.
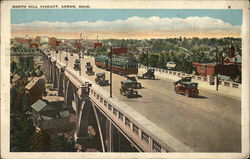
(210,123)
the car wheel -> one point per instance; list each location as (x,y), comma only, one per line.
(176,90)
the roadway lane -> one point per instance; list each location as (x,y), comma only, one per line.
(209,123)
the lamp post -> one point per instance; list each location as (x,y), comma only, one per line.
(110,57)
(66,58)
(79,57)
(60,53)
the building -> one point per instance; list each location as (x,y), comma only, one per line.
(47,117)
(205,69)
(53,41)
(36,88)
(43,39)
(17,80)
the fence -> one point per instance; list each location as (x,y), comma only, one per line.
(163,72)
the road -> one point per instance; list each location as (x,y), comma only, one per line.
(208,123)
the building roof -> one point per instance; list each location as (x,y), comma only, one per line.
(39,105)
(64,113)
(55,114)
(237,59)
(32,83)
(15,78)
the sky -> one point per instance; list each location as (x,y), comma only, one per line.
(126,23)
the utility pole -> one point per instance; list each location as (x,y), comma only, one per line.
(147,57)
(217,78)
(79,54)
(110,57)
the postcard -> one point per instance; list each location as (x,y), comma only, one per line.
(125,79)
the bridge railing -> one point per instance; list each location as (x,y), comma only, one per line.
(146,134)
(163,72)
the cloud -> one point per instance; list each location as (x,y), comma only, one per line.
(135,24)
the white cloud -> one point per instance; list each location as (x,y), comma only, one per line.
(135,23)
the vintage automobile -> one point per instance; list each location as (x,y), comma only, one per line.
(66,58)
(136,85)
(100,79)
(127,89)
(89,68)
(183,79)
(148,75)
(77,64)
(187,88)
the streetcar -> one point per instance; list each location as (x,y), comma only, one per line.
(120,65)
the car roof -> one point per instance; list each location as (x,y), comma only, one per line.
(127,81)
(189,83)
(100,73)
(131,77)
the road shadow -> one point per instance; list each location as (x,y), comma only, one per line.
(199,96)
(149,79)
(136,96)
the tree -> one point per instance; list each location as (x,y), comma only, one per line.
(26,103)
(41,141)
(161,61)
(142,59)
(60,143)
(13,66)
(21,133)
(153,58)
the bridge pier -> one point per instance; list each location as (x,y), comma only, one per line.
(54,74)
(60,82)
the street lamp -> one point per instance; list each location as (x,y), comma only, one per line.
(66,58)
(146,46)
(79,56)
(110,57)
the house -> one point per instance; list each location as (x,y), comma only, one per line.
(54,42)
(229,66)
(36,88)
(17,80)
(205,69)
(49,118)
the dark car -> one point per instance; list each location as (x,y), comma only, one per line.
(187,88)
(77,64)
(148,75)
(100,79)
(136,84)
(127,89)
(89,69)
(184,79)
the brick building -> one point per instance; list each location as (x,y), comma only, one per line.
(36,88)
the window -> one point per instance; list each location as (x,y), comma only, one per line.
(110,107)
(135,129)
(127,122)
(120,116)
(145,137)
(115,111)
(97,97)
(101,99)
(156,147)
(202,67)
(105,103)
